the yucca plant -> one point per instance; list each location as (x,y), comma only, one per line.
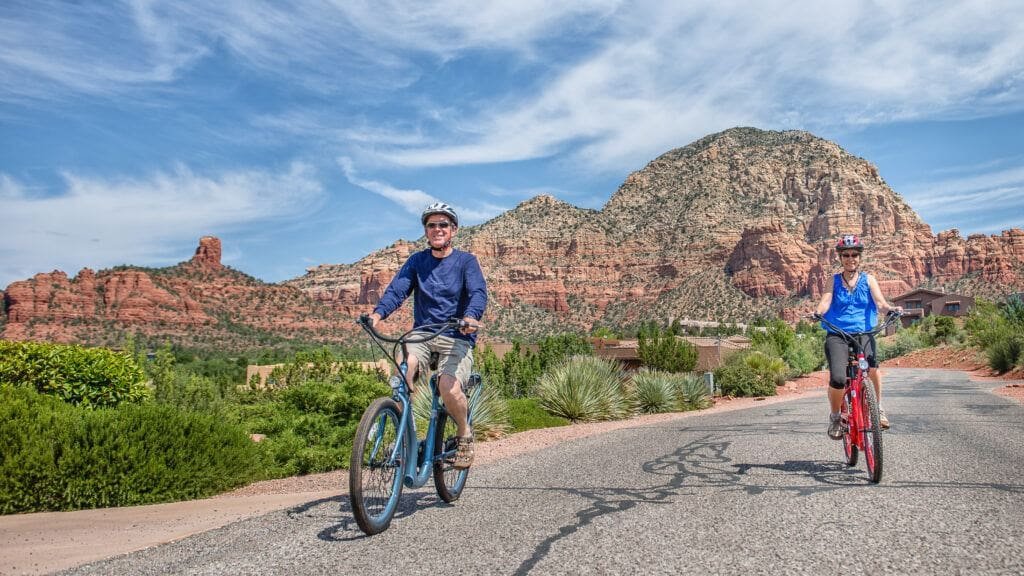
(584,389)
(692,392)
(490,413)
(770,370)
(654,391)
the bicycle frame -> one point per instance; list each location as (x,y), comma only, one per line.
(862,428)
(418,462)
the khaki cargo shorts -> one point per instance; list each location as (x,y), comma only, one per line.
(456,356)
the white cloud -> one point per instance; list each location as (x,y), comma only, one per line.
(100,223)
(414,201)
(670,73)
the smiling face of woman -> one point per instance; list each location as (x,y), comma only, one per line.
(850,259)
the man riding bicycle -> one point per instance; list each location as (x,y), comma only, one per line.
(448,284)
(851,303)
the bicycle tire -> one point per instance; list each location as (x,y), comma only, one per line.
(871,434)
(375,484)
(849,445)
(448,479)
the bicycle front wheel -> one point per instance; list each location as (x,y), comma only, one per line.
(849,442)
(448,479)
(871,433)
(375,471)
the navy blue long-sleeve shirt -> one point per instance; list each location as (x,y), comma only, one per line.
(450,287)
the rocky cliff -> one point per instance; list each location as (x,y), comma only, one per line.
(198,303)
(735,225)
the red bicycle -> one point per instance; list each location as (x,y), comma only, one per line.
(863,429)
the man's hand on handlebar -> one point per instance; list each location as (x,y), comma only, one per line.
(469,325)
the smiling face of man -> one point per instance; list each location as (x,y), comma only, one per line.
(439,231)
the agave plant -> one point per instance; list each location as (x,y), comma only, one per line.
(490,413)
(693,392)
(654,391)
(584,389)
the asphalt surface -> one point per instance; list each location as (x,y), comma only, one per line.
(755,491)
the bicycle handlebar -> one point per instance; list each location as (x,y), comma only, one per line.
(434,330)
(890,317)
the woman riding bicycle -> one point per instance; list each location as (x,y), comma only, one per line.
(448,284)
(852,303)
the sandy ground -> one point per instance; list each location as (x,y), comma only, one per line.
(46,542)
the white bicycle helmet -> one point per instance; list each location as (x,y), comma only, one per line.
(440,208)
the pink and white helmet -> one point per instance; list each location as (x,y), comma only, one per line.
(849,242)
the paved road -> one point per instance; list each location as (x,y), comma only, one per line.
(757,491)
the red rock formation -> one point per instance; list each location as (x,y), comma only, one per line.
(735,225)
(208,253)
(723,229)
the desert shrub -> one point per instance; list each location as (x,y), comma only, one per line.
(692,392)
(805,355)
(1004,350)
(527,414)
(584,389)
(662,350)
(516,374)
(904,342)
(92,377)
(736,377)
(58,456)
(655,391)
(490,411)
(770,370)
(309,427)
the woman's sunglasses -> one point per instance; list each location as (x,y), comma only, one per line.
(441,225)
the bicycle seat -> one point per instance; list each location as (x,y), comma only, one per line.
(435,357)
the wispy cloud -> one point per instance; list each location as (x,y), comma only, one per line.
(664,75)
(414,201)
(968,201)
(100,223)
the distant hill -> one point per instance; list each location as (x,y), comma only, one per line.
(736,225)
(196,304)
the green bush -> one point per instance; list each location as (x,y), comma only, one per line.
(309,427)
(662,350)
(737,377)
(1005,353)
(584,389)
(526,414)
(904,342)
(61,457)
(93,377)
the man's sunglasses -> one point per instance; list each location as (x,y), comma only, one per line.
(441,225)
(849,255)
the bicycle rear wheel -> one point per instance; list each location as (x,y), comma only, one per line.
(849,443)
(448,479)
(871,433)
(375,471)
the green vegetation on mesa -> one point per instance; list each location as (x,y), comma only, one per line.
(84,428)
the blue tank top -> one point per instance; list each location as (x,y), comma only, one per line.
(853,311)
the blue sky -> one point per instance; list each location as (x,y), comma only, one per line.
(311,132)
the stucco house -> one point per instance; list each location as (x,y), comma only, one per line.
(922,302)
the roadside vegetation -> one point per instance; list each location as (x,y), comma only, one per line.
(91,427)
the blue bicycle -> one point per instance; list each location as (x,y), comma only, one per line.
(387,453)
